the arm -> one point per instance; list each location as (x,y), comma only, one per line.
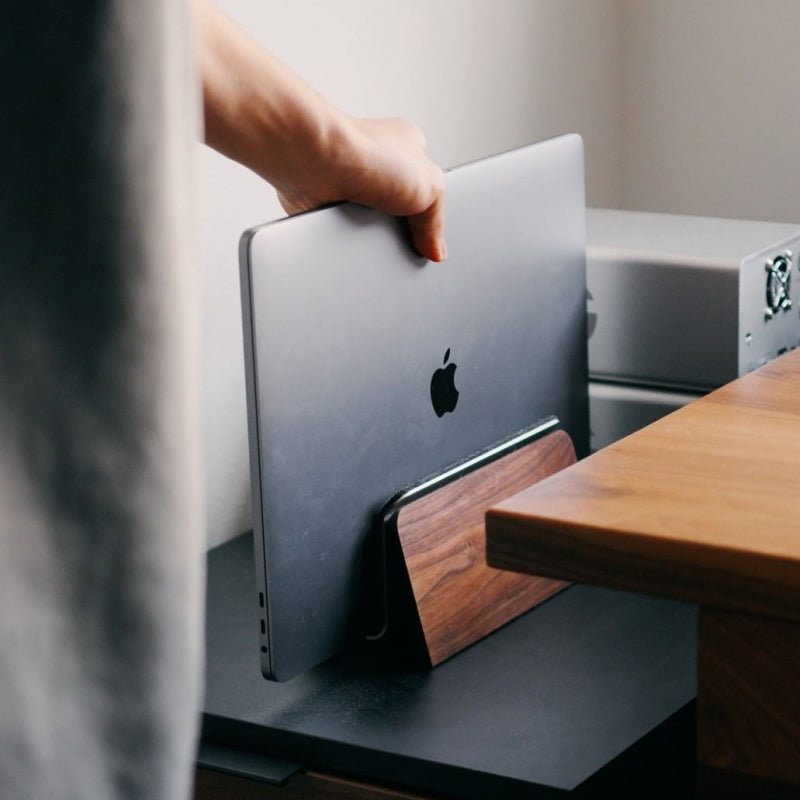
(261,114)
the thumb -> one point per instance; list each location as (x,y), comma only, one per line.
(427,231)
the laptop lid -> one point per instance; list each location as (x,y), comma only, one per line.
(369,368)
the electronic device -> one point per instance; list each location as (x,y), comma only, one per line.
(688,303)
(619,409)
(369,368)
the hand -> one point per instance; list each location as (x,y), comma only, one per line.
(381,163)
(263,115)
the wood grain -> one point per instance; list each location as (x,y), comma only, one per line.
(459,598)
(748,702)
(311,785)
(702,505)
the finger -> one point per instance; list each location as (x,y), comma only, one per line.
(427,231)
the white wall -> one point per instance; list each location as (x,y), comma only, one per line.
(711,107)
(479,76)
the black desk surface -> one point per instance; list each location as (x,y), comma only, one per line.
(534,710)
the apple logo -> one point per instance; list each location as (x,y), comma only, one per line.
(444,394)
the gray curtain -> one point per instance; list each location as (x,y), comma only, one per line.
(101,547)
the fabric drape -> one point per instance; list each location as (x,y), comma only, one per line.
(101,544)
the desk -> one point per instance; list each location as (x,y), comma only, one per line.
(579,697)
(703,505)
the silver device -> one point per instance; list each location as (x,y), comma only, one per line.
(618,409)
(689,302)
(678,305)
(369,369)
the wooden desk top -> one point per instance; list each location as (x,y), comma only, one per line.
(702,505)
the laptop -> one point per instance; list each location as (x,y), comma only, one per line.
(369,369)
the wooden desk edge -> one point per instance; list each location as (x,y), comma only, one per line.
(523,533)
(751,583)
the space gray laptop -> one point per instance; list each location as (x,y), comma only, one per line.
(369,368)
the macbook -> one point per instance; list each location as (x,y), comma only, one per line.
(369,369)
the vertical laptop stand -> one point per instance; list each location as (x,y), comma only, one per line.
(439,541)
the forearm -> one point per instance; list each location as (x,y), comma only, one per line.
(263,115)
(257,111)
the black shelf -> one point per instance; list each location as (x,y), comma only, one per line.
(590,693)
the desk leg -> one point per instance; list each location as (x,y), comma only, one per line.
(748,704)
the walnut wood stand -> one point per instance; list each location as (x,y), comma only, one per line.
(703,505)
(455,596)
